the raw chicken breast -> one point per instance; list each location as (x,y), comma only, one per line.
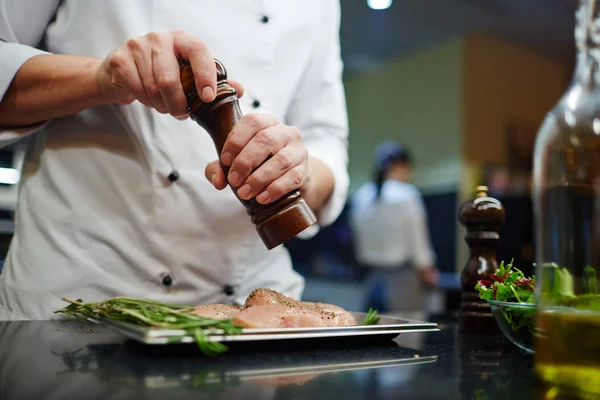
(216,311)
(265,308)
(262,297)
(282,316)
(345,318)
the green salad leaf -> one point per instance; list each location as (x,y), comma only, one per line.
(508,283)
(590,285)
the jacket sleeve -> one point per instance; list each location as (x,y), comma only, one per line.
(319,111)
(22,27)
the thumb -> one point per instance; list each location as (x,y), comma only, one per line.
(215,175)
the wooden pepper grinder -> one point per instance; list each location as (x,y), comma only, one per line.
(276,222)
(483,217)
(480,341)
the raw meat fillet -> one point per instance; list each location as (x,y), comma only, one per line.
(262,297)
(345,318)
(282,316)
(216,311)
(265,308)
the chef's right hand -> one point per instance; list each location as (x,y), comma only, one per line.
(146,69)
(430,276)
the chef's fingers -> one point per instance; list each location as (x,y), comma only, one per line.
(262,145)
(141,49)
(202,62)
(295,178)
(285,171)
(215,175)
(237,86)
(123,79)
(242,132)
(165,67)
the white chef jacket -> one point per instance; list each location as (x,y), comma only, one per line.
(97,215)
(391,232)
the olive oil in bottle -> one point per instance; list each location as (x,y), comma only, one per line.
(567,218)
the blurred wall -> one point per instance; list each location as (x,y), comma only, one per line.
(416,100)
(502,81)
(450,103)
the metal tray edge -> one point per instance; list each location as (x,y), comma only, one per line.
(172,336)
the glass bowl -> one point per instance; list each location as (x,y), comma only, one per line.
(516,321)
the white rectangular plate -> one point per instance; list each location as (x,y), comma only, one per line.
(388,326)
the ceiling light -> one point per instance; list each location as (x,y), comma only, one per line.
(379,4)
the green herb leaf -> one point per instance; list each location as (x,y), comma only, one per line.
(154,314)
(372,318)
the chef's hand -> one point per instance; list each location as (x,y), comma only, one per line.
(255,138)
(146,69)
(430,276)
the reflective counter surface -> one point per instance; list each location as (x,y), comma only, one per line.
(71,360)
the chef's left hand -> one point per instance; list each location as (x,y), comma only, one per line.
(255,138)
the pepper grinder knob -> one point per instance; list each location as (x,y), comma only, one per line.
(276,222)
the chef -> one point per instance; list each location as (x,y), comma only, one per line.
(389,222)
(121,193)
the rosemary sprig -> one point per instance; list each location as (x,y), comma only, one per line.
(372,318)
(154,314)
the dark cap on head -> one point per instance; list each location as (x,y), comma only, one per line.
(387,154)
(390,152)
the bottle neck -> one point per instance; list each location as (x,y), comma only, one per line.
(587,40)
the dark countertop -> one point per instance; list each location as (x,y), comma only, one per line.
(70,360)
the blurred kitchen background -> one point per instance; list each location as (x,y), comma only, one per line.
(465,84)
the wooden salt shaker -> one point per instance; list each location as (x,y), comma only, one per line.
(276,222)
(483,218)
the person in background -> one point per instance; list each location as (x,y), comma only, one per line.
(389,225)
(121,193)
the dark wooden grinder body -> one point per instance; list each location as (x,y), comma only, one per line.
(276,222)
(480,341)
(483,218)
